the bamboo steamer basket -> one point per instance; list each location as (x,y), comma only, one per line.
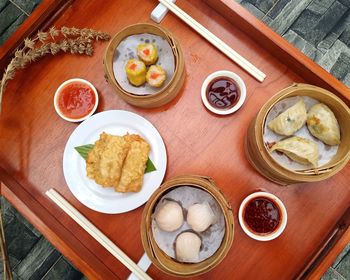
(260,158)
(162,260)
(169,91)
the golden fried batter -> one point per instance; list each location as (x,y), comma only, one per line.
(105,161)
(134,165)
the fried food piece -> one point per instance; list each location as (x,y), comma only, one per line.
(105,161)
(134,165)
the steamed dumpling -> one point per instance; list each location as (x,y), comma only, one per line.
(136,72)
(187,247)
(301,150)
(147,53)
(200,216)
(169,217)
(322,124)
(155,76)
(290,121)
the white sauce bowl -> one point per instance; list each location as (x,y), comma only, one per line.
(225,74)
(63,85)
(283,219)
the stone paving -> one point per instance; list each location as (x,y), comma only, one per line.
(31,256)
(319,28)
(12,15)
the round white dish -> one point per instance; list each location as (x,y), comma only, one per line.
(281,226)
(94,196)
(67,83)
(234,77)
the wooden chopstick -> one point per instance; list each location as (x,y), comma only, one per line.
(215,41)
(97,234)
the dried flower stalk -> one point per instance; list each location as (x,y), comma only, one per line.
(68,40)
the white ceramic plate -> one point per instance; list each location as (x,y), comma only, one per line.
(94,196)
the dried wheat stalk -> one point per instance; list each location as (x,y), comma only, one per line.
(69,40)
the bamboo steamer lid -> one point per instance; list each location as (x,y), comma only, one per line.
(261,159)
(162,260)
(169,91)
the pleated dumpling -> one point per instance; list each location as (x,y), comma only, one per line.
(301,150)
(322,124)
(290,121)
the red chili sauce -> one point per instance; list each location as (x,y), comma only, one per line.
(262,215)
(223,93)
(76,100)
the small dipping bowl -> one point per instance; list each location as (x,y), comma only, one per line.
(75,100)
(250,216)
(223,92)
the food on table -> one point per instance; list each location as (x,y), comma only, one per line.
(105,161)
(76,100)
(299,149)
(200,216)
(136,72)
(118,161)
(223,93)
(290,121)
(170,216)
(187,247)
(134,166)
(155,76)
(322,124)
(148,53)
(262,215)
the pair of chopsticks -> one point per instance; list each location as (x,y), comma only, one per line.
(97,234)
(215,41)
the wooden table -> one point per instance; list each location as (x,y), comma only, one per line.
(33,137)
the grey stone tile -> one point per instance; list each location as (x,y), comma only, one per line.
(265,5)
(345,36)
(27,224)
(320,6)
(306,22)
(332,55)
(341,67)
(288,15)
(277,8)
(336,32)
(27,5)
(344,267)
(12,28)
(332,274)
(3,4)
(253,10)
(328,21)
(302,45)
(11,211)
(63,270)
(8,15)
(38,261)
(13,263)
(6,210)
(345,2)
(347,247)
(20,240)
(14,276)
(346,81)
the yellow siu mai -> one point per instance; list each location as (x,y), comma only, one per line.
(136,72)
(155,76)
(148,53)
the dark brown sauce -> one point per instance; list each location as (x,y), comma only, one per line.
(262,215)
(223,93)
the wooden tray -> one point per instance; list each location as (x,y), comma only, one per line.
(33,137)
